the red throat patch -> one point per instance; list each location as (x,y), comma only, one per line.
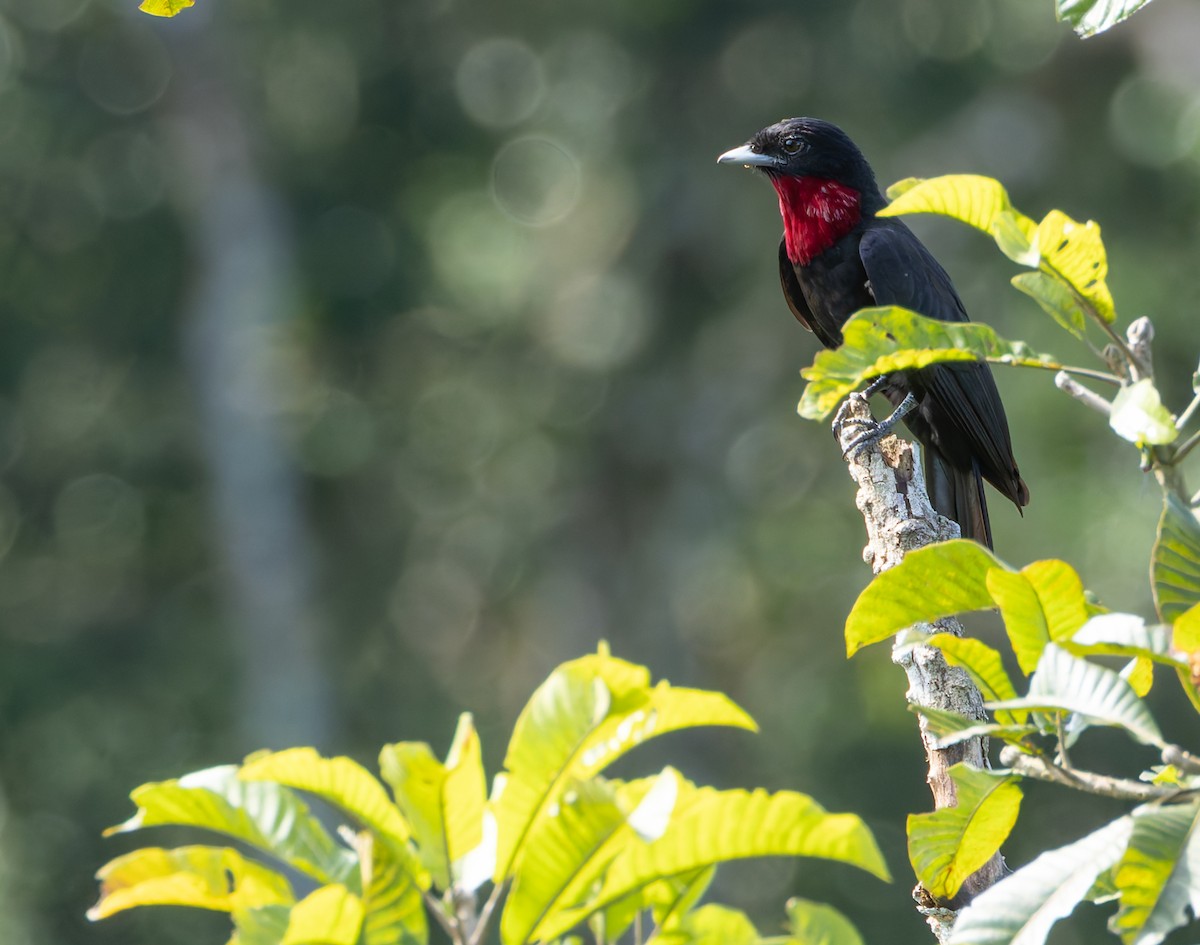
(816,214)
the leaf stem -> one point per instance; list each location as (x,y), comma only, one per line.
(485,914)
(448,923)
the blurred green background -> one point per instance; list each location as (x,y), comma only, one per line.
(361,361)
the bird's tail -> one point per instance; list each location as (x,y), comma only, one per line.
(958,494)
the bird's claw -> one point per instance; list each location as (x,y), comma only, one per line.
(878,429)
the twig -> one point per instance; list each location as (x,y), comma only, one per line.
(899,518)
(1040,769)
(449,925)
(1064,382)
(1185,447)
(485,914)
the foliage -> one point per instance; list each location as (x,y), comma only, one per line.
(1060,638)
(165,7)
(570,847)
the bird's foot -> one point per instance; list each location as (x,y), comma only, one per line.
(878,429)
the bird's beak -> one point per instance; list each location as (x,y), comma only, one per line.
(745,155)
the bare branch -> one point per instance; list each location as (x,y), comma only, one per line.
(899,518)
(1064,382)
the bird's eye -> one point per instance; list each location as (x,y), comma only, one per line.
(791,144)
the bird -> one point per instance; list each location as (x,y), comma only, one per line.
(838,256)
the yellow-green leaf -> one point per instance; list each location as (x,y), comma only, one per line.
(165,7)
(568,851)
(1139,673)
(710,826)
(948,845)
(203,877)
(1056,299)
(393,907)
(889,338)
(587,714)
(417,779)
(1175,562)
(1156,876)
(712,925)
(1044,602)
(815,923)
(341,781)
(332,915)
(981,202)
(1075,252)
(930,583)
(1138,415)
(265,815)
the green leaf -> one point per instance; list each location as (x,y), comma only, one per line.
(1065,683)
(165,7)
(815,923)
(1138,415)
(881,340)
(341,781)
(260,925)
(417,779)
(1157,875)
(587,714)
(947,846)
(710,826)
(1090,17)
(443,803)
(1075,253)
(950,728)
(567,852)
(394,909)
(712,925)
(1022,908)
(203,877)
(344,783)
(332,915)
(980,202)
(1056,299)
(266,816)
(1043,602)
(930,583)
(1123,635)
(1175,561)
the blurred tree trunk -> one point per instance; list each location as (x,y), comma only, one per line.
(241,298)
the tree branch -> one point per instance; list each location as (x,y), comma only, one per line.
(1041,769)
(899,518)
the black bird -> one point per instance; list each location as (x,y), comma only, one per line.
(837,256)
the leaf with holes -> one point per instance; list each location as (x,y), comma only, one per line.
(1074,252)
(946,846)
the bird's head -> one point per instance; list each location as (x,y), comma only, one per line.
(808,148)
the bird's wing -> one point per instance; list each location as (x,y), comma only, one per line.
(901,271)
(792,292)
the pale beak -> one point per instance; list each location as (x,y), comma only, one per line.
(749,157)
